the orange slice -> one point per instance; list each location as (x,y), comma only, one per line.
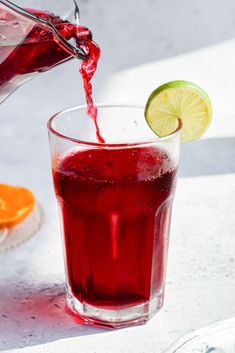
(15,204)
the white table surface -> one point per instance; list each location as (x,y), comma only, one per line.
(200,286)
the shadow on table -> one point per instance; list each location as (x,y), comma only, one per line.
(37,316)
(208,157)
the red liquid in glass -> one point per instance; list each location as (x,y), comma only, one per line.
(116,209)
(38,49)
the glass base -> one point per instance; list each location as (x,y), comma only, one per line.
(94,316)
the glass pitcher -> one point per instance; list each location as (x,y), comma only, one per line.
(36,35)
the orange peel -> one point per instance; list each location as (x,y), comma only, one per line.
(15,205)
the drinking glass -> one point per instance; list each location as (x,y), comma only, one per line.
(115,202)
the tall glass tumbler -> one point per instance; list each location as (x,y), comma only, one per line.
(115,202)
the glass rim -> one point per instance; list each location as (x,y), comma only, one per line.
(110,145)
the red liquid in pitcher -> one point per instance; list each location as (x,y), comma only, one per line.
(27,48)
(116,209)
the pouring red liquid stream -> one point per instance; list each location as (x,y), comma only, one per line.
(87,70)
(26,50)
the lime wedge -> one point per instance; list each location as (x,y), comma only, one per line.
(179,100)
